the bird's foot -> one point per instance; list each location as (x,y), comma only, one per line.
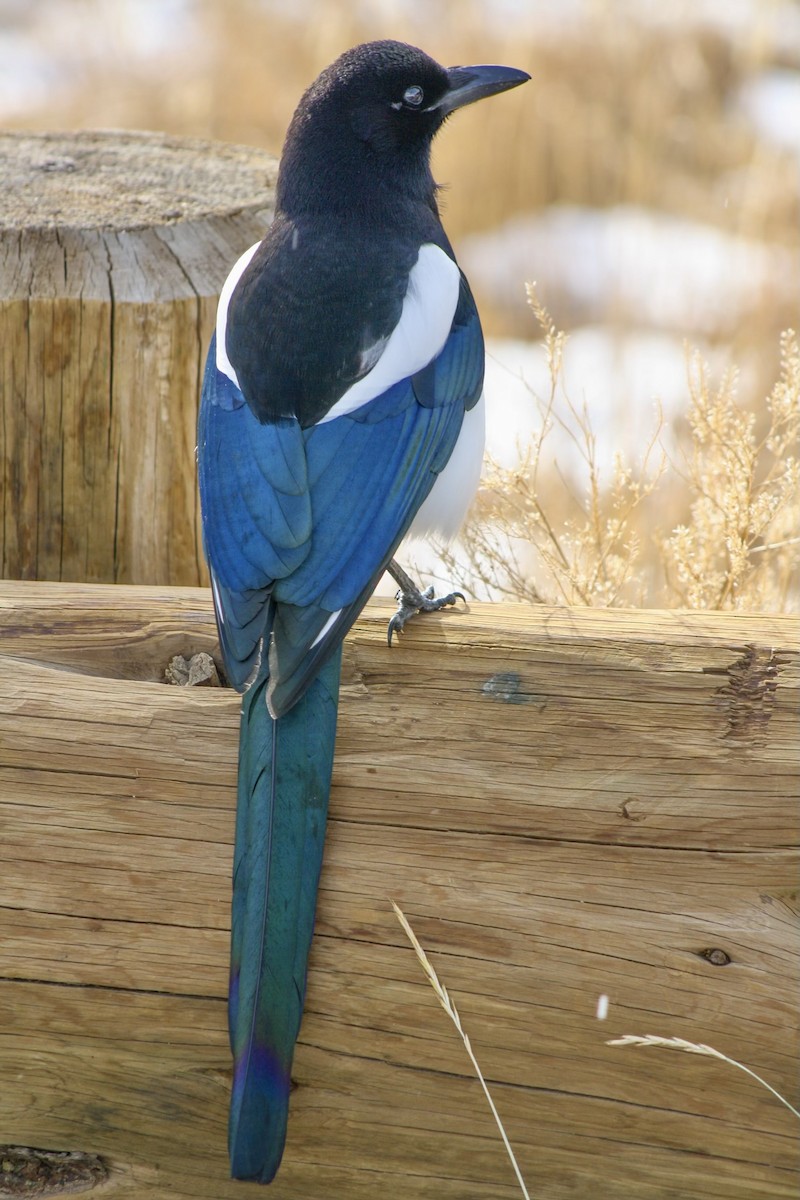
(410,600)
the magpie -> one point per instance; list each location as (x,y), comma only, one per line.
(341,410)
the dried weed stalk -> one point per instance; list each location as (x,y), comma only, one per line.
(676,1043)
(589,541)
(443,996)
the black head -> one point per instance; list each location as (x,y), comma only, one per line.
(370,117)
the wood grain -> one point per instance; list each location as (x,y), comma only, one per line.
(566,803)
(113,249)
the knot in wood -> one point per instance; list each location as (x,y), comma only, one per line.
(717,957)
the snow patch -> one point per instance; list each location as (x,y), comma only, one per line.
(644,267)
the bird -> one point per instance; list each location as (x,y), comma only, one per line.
(341,410)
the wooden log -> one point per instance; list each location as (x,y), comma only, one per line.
(113,249)
(566,804)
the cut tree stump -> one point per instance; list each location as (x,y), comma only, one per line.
(565,803)
(113,249)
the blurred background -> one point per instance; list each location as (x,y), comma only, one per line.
(646,180)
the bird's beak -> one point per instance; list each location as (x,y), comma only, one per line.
(468,84)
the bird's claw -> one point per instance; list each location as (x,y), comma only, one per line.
(411,601)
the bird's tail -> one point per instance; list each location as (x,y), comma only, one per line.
(284,779)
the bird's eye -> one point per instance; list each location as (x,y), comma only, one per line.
(413,96)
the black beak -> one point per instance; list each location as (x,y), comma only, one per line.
(468,84)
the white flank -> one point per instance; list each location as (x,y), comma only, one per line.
(224,364)
(425,321)
(443,511)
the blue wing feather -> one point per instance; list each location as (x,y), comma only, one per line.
(349,551)
(254,486)
(256,515)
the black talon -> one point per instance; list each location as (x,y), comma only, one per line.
(410,600)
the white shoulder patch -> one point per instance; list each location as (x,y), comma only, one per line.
(425,321)
(224,364)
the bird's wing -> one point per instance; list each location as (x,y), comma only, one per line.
(369,471)
(318,513)
(256,515)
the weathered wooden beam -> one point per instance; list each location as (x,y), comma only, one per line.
(566,803)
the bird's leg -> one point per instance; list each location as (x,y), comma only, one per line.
(410,600)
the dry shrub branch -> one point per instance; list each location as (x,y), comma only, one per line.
(733,479)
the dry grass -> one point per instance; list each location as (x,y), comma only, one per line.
(711,523)
(443,996)
(740,548)
(676,1043)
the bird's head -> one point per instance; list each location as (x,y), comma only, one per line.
(373,114)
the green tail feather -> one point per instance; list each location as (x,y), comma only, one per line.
(284,780)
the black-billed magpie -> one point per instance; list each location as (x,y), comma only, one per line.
(341,410)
